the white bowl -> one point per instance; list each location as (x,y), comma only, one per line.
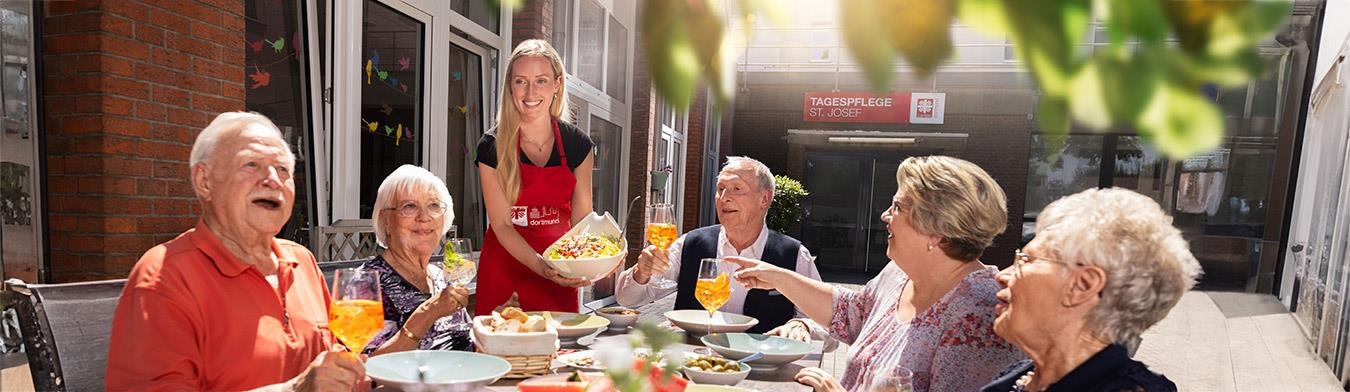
(571,326)
(445,370)
(618,321)
(513,344)
(724,378)
(593,269)
(777,351)
(695,321)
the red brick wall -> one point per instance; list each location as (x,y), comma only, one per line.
(127,85)
(640,144)
(693,168)
(993,117)
(533,20)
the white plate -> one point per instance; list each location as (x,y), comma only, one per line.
(572,360)
(445,370)
(695,321)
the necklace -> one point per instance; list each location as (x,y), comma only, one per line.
(538,145)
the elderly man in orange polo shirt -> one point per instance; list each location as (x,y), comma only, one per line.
(226,306)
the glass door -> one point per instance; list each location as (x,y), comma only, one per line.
(881,191)
(466,125)
(20,168)
(843,226)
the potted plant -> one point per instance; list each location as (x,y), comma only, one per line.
(786,209)
(661,178)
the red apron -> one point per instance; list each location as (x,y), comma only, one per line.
(542,214)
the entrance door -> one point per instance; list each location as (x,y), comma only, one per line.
(843,227)
(466,100)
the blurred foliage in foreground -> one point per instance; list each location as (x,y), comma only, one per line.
(1150,77)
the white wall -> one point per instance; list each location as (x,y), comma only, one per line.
(1334,32)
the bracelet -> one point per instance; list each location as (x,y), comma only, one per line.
(404,330)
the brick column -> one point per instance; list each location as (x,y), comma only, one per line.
(693,161)
(127,85)
(640,140)
(533,20)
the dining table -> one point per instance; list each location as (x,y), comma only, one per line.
(780,379)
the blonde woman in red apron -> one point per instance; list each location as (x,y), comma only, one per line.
(535,171)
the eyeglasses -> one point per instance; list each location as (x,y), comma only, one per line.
(410,209)
(1021,258)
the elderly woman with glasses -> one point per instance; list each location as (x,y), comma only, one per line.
(930,310)
(413,211)
(1105,265)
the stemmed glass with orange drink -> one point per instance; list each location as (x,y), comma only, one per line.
(714,289)
(357,311)
(661,232)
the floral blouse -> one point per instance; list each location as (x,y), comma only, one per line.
(950,346)
(402,298)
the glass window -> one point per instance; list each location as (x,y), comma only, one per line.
(562,28)
(479,12)
(464,130)
(1061,169)
(1139,167)
(608,168)
(391,96)
(618,60)
(591,44)
(275,86)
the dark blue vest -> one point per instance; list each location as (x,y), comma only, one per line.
(771,310)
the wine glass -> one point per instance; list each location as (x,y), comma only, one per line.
(459,264)
(460,268)
(713,288)
(661,232)
(899,379)
(357,311)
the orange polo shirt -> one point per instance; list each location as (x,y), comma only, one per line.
(193,317)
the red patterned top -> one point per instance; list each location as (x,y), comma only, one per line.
(951,346)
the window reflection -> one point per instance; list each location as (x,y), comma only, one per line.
(275,85)
(391,96)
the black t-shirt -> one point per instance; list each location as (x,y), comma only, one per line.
(577,144)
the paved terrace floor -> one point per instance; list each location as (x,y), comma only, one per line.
(1212,341)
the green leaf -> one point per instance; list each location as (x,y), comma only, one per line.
(1142,19)
(919,30)
(1182,122)
(672,58)
(1053,116)
(873,52)
(986,16)
(1129,83)
(1088,101)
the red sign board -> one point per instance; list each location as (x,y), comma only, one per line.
(856,107)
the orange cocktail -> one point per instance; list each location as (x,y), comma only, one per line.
(355,322)
(661,234)
(713,293)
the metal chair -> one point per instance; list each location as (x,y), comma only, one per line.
(65,331)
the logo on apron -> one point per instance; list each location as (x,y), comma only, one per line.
(535,215)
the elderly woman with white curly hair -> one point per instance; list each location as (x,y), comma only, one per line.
(1106,264)
(413,211)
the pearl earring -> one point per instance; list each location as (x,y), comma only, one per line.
(930,247)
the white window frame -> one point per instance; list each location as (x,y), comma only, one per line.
(443,26)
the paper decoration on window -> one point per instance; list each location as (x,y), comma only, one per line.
(404,63)
(371,125)
(462,109)
(260,78)
(295,43)
(388,110)
(457,75)
(397,132)
(403,87)
(393,82)
(370,65)
(278,45)
(256,46)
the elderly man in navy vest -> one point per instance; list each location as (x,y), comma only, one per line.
(744,192)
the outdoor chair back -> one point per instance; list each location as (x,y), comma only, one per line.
(65,330)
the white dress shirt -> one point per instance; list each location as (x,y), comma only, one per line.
(630,293)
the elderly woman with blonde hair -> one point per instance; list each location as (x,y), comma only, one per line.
(413,211)
(930,310)
(1105,265)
